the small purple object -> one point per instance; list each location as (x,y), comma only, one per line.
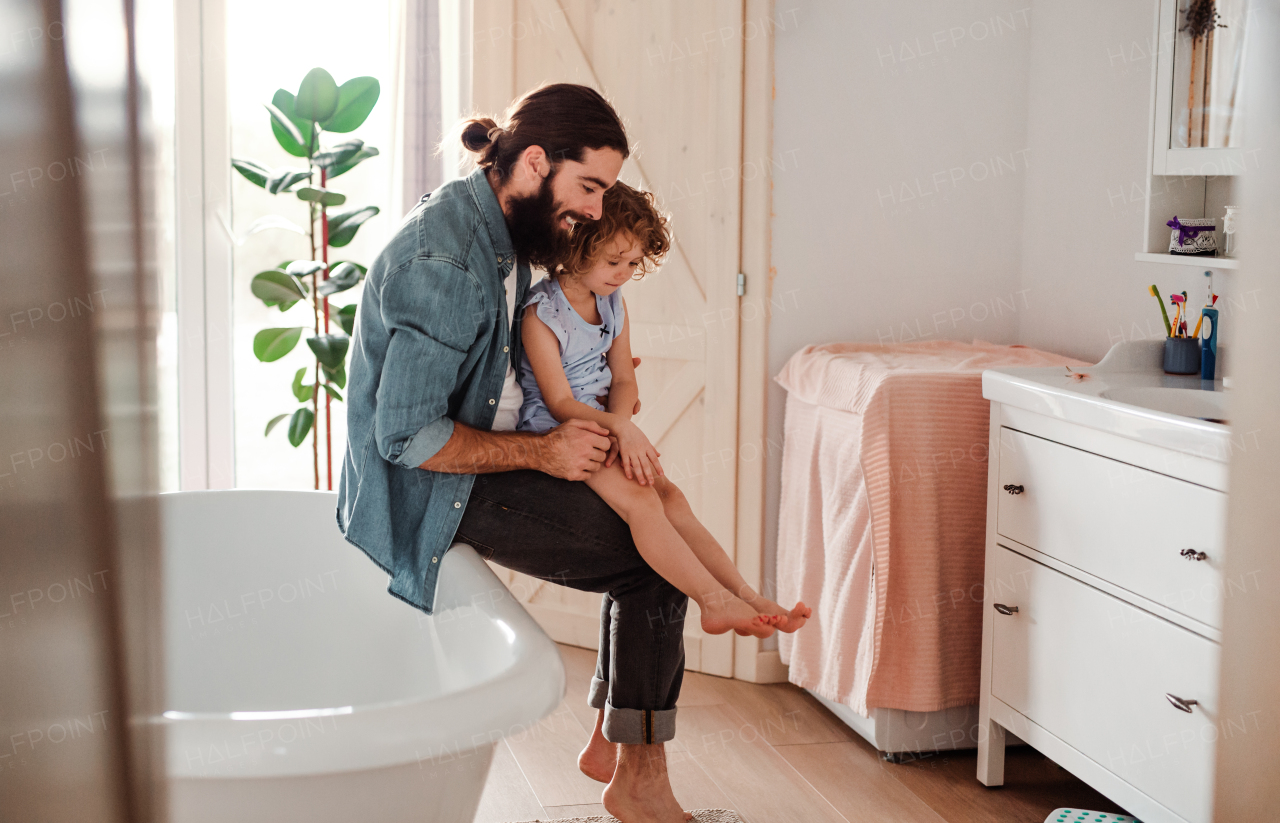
(1186,233)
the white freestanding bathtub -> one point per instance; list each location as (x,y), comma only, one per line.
(299,689)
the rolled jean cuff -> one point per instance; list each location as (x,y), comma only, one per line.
(598,694)
(638,725)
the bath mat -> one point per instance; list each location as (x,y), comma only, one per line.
(699,816)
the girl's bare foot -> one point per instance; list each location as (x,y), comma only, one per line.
(600,757)
(786,621)
(723,611)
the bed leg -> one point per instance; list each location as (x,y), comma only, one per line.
(991,753)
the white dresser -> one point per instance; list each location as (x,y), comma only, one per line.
(1105,530)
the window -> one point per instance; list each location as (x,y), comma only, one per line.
(229,57)
(272,45)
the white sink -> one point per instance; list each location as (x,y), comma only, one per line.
(1126,394)
(1198,404)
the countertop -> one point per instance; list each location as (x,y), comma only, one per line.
(1130,366)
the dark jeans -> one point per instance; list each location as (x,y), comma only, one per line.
(561,531)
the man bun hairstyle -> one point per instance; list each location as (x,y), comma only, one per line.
(626,211)
(565,119)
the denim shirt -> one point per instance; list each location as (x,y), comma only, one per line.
(431,346)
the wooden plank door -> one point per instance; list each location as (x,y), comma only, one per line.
(674,71)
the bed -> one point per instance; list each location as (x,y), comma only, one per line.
(881,530)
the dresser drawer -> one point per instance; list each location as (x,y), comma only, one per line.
(1095,672)
(1129,526)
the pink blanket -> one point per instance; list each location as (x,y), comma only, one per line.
(883,518)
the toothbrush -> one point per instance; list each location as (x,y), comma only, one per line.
(1177,300)
(1168,330)
(1212,299)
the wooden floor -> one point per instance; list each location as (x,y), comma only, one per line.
(775,755)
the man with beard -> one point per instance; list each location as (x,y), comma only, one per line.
(432,455)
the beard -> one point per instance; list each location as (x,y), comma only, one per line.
(534,225)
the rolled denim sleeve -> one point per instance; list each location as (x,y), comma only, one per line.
(430,311)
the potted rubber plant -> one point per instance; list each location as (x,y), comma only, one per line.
(301,124)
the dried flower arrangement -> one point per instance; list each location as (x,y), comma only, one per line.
(1201,17)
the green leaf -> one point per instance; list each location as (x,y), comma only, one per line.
(346,317)
(300,426)
(284,179)
(344,156)
(302,268)
(276,288)
(339,153)
(344,224)
(356,99)
(338,375)
(324,197)
(330,349)
(343,276)
(305,392)
(332,392)
(317,96)
(301,145)
(255,173)
(355,160)
(281,121)
(271,424)
(272,344)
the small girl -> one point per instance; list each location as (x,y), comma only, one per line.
(577,349)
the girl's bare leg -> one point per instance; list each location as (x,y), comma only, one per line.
(662,548)
(713,557)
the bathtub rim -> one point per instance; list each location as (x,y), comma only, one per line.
(388,732)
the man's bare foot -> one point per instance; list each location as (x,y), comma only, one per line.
(787,621)
(598,760)
(723,611)
(640,791)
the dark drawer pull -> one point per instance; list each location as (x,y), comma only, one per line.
(1192,554)
(1180,704)
(1013,488)
(1003,609)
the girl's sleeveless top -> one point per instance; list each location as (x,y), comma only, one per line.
(583,347)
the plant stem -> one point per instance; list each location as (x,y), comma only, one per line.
(324,250)
(1206,101)
(1191,92)
(315,390)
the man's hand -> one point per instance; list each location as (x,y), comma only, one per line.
(574,449)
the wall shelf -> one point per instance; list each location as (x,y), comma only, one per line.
(1188,260)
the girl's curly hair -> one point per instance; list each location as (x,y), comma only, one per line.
(626,210)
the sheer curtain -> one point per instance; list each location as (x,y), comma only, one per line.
(431,91)
(415,99)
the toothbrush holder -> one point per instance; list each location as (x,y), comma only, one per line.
(1181,355)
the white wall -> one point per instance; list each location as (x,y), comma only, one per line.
(1088,116)
(900,131)
(873,107)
